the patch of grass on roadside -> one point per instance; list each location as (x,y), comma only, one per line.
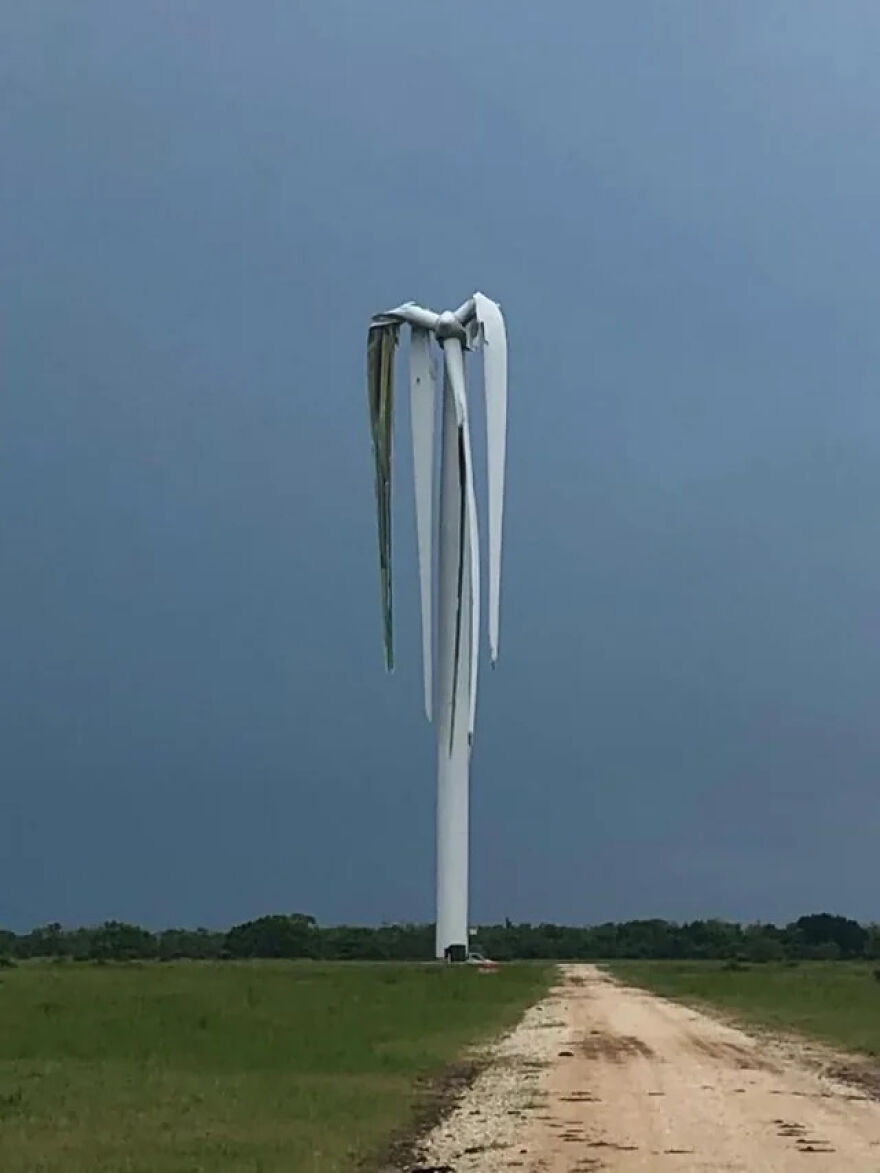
(230,1068)
(836,1002)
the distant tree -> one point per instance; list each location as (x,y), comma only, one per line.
(386,943)
(811,936)
(825,951)
(712,939)
(295,935)
(44,941)
(298,935)
(117,941)
(762,943)
(197,944)
(78,943)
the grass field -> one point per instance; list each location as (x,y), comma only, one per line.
(250,1067)
(836,1002)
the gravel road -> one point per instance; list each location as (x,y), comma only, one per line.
(599,1076)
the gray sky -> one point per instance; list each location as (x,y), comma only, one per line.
(202,204)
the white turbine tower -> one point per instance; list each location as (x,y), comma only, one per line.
(451,686)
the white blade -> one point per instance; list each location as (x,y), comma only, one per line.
(494,339)
(469,529)
(422,413)
(474,577)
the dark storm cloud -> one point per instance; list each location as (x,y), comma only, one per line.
(202,205)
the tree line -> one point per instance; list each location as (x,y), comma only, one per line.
(819,936)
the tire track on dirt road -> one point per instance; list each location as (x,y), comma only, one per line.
(600,1076)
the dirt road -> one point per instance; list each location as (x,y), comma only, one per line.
(603,1077)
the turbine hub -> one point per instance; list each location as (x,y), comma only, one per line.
(448,326)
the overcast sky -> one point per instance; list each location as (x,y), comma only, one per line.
(202,204)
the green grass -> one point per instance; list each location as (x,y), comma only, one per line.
(250,1067)
(836,1002)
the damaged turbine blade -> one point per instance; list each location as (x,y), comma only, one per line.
(422,415)
(468,536)
(493,338)
(381,345)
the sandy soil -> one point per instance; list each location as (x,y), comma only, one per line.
(602,1077)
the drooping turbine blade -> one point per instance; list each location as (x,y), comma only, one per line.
(469,536)
(474,579)
(381,344)
(459,588)
(422,413)
(494,341)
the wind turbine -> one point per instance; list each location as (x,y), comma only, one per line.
(451,682)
